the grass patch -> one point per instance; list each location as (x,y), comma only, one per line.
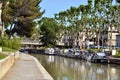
(117,55)
(2,56)
(94,50)
(6,49)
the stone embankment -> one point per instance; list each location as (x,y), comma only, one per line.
(114,60)
(7,63)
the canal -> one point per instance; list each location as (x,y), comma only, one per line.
(61,68)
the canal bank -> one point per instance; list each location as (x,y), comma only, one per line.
(80,54)
(27,68)
(61,68)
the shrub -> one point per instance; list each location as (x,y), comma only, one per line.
(118,51)
(13,43)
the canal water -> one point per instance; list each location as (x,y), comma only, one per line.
(61,68)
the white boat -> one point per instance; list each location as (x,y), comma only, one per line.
(49,51)
(99,58)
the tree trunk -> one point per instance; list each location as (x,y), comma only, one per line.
(1,27)
(98,42)
(10,34)
(110,37)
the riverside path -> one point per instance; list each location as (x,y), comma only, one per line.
(27,68)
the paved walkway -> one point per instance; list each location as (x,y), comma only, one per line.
(24,69)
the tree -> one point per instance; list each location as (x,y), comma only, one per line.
(69,18)
(48,31)
(2,3)
(90,19)
(61,18)
(118,1)
(117,11)
(21,15)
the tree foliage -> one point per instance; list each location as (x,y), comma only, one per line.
(95,17)
(10,43)
(21,15)
(48,31)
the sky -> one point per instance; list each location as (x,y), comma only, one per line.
(55,6)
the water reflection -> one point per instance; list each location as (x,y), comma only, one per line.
(70,69)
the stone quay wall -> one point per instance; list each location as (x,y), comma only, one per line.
(7,63)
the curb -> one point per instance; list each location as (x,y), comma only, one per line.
(45,74)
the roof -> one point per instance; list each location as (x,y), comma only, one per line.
(100,54)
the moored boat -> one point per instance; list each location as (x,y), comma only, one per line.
(99,57)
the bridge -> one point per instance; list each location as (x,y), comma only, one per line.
(30,43)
